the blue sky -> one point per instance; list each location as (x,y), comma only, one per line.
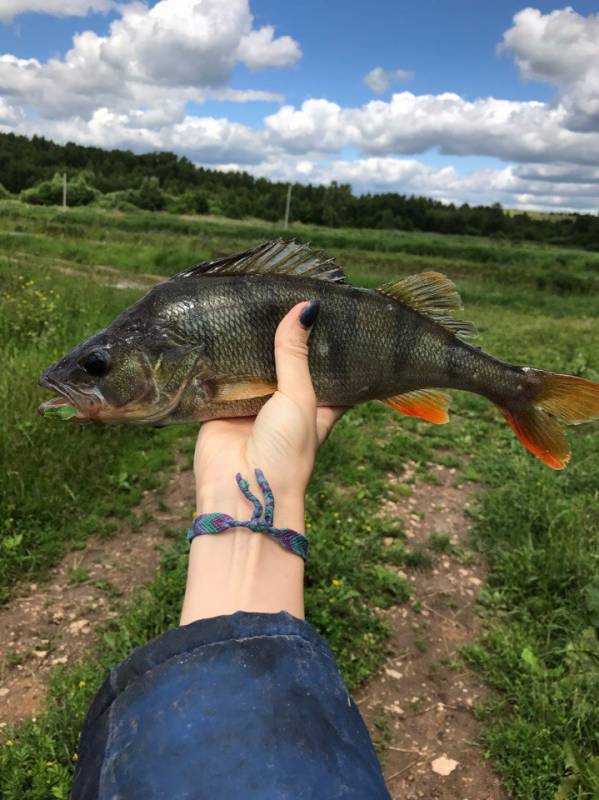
(280,89)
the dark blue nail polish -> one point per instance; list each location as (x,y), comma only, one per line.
(310,313)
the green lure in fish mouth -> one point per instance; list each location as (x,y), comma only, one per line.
(63,412)
(62,408)
(67,405)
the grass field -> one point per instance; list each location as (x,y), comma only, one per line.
(539,529)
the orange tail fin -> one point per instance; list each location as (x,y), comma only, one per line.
(556,398)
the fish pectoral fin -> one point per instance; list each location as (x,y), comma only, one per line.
(433,295)
(244,389)
(427,404)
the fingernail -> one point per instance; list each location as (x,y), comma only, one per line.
(309,313)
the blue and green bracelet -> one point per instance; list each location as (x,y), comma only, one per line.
(261,521)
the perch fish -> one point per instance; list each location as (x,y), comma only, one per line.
(200,346)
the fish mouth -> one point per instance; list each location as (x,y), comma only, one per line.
(87,406)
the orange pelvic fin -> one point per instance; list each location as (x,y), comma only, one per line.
(427,404)
(558,398)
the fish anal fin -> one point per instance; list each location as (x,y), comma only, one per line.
(245,389)
(427,404)
(275,257)
(433,295)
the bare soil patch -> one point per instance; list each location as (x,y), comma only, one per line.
(109,276)
(53,622)
(420,707)
(98,273)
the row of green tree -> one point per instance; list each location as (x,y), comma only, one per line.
(33,168)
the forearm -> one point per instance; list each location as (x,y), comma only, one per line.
(240,570)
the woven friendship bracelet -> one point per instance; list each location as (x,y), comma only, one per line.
(261,521)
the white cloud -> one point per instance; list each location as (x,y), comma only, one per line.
(193,42)
(175,52)
(318,125)
(259,49)
(409,124)
(560,173)
(131,88)
(446,184)
(9,115)
(242,95)
(206,140)
(218,140)
(561,48)
(558,47)
(379,80)
(9,9)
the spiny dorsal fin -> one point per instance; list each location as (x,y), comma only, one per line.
(433,295)
(278,256)
(428,404)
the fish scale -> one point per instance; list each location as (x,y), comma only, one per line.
(200,346)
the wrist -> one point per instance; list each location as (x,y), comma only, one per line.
(240,569)
(288,513)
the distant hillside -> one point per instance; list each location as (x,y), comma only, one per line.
(157,181)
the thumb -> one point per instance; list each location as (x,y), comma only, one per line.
(291,352)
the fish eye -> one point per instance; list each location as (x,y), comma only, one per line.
(96,363)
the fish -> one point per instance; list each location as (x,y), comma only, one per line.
(199,346)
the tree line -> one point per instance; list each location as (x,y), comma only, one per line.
(32,169)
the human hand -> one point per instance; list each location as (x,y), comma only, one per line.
(239,570)
(282,439)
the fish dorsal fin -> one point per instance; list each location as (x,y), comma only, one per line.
(275,257)
(435,296)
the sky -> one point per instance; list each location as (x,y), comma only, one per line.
(461,100)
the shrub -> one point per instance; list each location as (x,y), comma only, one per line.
(149,196)
(116,201)
(80,192)
(188,203)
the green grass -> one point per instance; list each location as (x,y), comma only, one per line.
(440,543)
(541,650)
(62,481)
(539,529)
(346,580)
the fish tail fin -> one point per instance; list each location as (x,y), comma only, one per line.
(554,399)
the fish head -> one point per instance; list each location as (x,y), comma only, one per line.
(135,370)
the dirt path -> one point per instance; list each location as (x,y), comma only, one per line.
(97,273)
(109,276)
(420,707)
(53,622)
